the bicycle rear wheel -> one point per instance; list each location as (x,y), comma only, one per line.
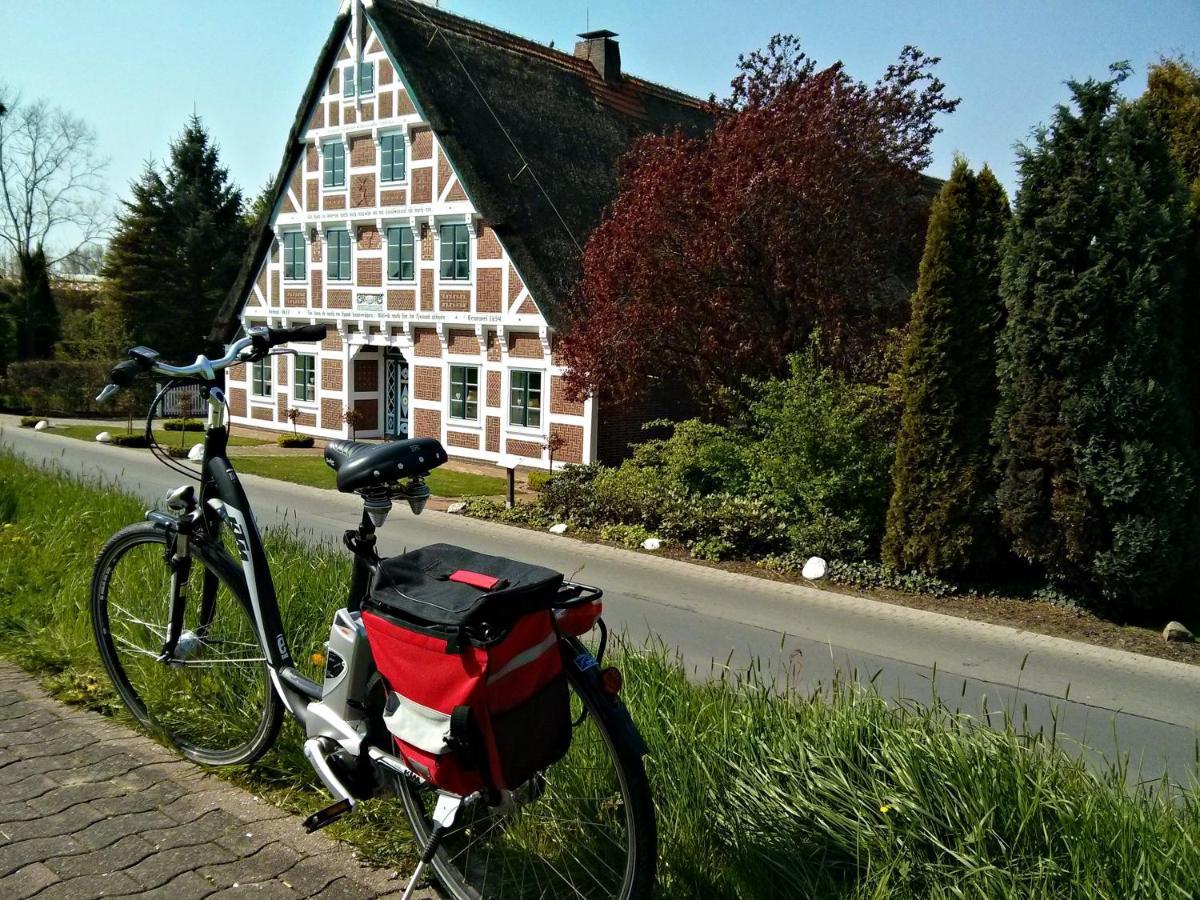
(585,829)
(215,702)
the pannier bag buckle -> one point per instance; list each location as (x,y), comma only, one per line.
(477,580)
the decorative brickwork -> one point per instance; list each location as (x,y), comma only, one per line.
(318,117)
(422,143)
(385,72)
(362,190)
(334,114)
(312,197)
(237,402)
(331,414)
(333,340)
(572,449)
(281,370)
(281,405)
(401,300)
(295,297)
(454,301)
(263,414)
(370,271)
(288,205)
(462,439)
(362,151)
(339,299)
(316,279)
(236,373)
(493,346)
(274,288)
(366,375)
(558,399)
(427,383)
(297,183)
(487,290)
(427,423)
(427,243)
(493,434)
(306,420)
(349,114)
(312,159)
(462,341)
(493,388)
(370,410)
(443,172)
(489,245)
(262,280)
(333,201)
(426,342)
(427,289)
(524,344)
(317,249)
(385,105)
(404,104)
(368,112)
(395,197)
(525,448)
(368,238)
(515,285)
(527,307)
(422,185)
(331,374)
(456,193)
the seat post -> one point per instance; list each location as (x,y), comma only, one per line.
(362,542)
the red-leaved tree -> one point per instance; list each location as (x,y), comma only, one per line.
(803,209)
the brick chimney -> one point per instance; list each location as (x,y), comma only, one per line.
(599,48)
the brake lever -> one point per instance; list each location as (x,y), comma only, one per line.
(109,390)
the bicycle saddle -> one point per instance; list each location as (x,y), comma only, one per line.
(360,465)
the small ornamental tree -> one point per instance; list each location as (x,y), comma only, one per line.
(292,415)
(554,443)
(356,419)
(940,519)
(1095,434)
(801,211)
(185,412)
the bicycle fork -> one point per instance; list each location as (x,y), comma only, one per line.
(182,501)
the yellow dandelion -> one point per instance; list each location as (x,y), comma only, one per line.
(885,809)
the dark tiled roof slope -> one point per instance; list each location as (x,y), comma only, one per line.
(479,87)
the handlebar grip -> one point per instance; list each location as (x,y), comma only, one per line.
(277,336)
(123,373)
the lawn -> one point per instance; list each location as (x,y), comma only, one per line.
(312,471)
(166,438)
(761,793)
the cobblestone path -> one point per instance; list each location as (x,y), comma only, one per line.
(89,808)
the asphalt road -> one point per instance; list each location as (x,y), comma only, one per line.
(1106,702)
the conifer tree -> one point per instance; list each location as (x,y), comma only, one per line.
(941,515)
(177,247)
(1095,435)
(36,314)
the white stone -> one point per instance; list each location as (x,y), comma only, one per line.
(41,426)
(814,569)
(560,528)
(651,544)
(104,437)
(1177,631)
(196,454)
(456,508)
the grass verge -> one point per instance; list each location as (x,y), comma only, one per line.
(164,437)
(761,793)
(312,471)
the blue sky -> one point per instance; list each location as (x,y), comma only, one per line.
(135,69)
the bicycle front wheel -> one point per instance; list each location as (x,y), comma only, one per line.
(214,701)
(584,828)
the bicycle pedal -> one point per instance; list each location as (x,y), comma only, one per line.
(328,815)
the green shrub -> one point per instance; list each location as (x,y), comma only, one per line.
(537,479)
(626,535)
(130,440)
(62,387)
(702,458)
(183,425)
(178,452)
(295,442)
(30,421)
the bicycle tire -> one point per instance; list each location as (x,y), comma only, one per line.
(638,881)
(154,696)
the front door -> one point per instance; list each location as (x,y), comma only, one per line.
(395,395)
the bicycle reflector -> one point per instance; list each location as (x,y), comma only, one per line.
(611,680)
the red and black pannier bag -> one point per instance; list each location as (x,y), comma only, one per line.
(467,645)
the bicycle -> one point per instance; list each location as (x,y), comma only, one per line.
(190,630)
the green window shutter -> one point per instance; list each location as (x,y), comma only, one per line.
(305,378)
(406,254)
(400,253)
(392,151)
(348,81)
(393,253)
(366,79)
(447,268)
(335,165)
(339,255)
(456,253)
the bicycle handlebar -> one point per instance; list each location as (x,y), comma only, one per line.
(258,342)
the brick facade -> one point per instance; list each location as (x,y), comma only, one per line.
(493,388)
(331,374)
(455,301)
(331,414)
(427,383)
(524,448)
(524,345)
(426,423)
(401,300)
(426,342)
(572,436)
(237,402)
(462,341)
(558,399)
(488,290)
(493,435)
(462,439)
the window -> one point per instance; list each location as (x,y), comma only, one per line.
(391,148)
(335,165)
(261,383)
(366,79)
(456,253)
(464,392)
(305,378)
(400,253)
(293,256)
(338,265)
(348,81)
(525,401)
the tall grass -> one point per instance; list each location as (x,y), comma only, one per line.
(761,792)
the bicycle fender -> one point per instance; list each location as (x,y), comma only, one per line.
(616,713)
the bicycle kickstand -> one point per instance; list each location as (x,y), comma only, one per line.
(444,815)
